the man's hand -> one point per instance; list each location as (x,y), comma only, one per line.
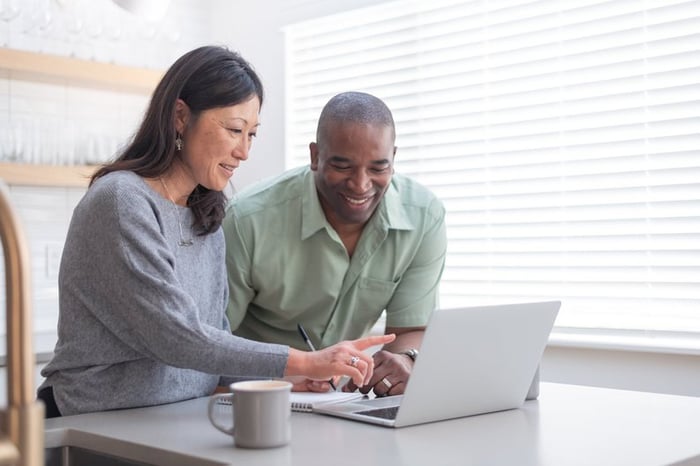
(304,384)
(391,372)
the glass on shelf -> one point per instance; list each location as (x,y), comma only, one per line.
(37,21)
(9,11)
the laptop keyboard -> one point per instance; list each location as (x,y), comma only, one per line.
(384,413)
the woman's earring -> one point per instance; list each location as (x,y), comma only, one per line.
(178,143)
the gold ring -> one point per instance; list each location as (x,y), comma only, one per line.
(354,360)
(387,383)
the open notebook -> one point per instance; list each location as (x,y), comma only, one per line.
(305,402)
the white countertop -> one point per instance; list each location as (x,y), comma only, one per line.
(568,425)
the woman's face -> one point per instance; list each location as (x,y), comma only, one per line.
(217,141)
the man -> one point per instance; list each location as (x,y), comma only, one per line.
(333,244)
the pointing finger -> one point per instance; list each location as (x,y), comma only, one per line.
(366,342)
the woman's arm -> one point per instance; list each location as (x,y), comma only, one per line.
(344,358)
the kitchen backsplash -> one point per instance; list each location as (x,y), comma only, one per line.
(44,213)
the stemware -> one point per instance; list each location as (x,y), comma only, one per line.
(9,10)
(37,20)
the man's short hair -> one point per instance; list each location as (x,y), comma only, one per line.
(355,107)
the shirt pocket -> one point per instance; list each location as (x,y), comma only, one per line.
(374,294)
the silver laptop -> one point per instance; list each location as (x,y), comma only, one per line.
(473,360)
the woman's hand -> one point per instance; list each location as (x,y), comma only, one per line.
(344,358)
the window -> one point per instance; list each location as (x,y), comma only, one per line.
(563,138)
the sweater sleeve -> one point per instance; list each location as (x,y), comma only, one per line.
(119,266)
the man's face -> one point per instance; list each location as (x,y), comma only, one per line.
(353,165)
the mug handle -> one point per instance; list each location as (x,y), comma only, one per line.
(210,408)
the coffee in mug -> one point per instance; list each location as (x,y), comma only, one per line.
(261,413)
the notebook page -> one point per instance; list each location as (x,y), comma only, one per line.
(305,401)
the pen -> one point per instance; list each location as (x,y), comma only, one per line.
(306,338)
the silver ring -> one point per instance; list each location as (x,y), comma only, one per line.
(354,360)
(388,384)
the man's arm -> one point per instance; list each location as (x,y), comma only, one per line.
(406,338)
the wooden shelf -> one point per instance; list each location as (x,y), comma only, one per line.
(31,66)
(39,67)
(46,175)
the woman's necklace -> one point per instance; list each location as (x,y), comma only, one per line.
(183,241)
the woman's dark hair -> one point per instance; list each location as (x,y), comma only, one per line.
(204,78)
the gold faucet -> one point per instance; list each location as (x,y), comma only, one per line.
(22,425)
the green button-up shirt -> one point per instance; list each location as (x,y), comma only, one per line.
(287,265)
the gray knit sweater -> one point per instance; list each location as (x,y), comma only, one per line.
(141,318)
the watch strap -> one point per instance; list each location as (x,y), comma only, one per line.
(411,353)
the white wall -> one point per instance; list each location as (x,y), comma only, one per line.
(677,374)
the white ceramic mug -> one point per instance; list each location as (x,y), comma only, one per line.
(261,413)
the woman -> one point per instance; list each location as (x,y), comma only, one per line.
(142,281)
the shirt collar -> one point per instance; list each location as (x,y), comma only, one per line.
(390,214)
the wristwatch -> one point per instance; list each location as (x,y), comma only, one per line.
(411,353)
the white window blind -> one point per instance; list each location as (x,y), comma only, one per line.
(562,136)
